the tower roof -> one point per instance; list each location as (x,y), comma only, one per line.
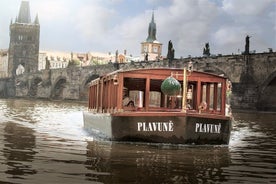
(152,30)
(24,13)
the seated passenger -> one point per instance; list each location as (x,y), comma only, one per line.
(130,104)
(126,100)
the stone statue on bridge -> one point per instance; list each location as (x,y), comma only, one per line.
(206,50)
(170,54)
(246,51)
(146,57)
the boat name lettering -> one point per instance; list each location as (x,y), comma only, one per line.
(155,126)
(208,128)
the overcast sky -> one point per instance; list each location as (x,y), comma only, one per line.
(108,25)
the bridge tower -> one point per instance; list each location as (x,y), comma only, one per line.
(24,42)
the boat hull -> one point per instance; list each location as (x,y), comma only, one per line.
(182,129)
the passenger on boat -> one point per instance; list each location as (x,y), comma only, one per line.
(130,104)
(202,106)
(189,107)
(126,100)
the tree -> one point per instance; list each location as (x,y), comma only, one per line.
(73,63)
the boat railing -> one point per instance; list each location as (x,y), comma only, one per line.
(165,109)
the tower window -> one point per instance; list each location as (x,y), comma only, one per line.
(20,37)
(145,48)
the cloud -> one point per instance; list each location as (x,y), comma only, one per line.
(51,10)
(230,38)
(245,7)
(187,24)
(93,22)
(108,25)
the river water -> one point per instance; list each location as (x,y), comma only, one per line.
(44,142)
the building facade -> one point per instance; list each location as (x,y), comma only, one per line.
(151,49)
(53,60)
(24,42)
(58,59)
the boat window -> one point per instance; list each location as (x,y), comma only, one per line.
(210,99)
(135,89)
(155,99)
(155,94)
(137,97)
(203,92)
(135,84)
(211,103)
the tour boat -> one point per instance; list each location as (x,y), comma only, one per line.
(159,105)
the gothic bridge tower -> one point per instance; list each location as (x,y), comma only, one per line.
(151,49)
(24,42)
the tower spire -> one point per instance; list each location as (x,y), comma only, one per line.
(152,30)
(24,13)
(36,20)
(152,17)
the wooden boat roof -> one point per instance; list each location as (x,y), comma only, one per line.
(161,72)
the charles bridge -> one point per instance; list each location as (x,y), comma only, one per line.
(253,78)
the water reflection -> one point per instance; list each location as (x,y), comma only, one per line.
(98,161)
(19,110)
(18,150)
(132,163)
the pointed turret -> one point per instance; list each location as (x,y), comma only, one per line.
(152,30)
(36,20)
(24,13)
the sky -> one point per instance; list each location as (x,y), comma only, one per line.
(109,25)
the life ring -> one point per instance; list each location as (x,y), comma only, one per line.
(202,106)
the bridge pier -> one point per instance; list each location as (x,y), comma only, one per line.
(7,88)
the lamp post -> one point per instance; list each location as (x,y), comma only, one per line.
(185,82)
(184,105)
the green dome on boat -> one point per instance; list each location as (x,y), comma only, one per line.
(170,86)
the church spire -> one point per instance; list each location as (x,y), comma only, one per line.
(152,30)
(24,13)
(36,20)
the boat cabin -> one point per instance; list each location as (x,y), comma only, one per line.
(139,90)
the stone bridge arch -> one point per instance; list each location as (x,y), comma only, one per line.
(84,85)
(267,91)
(35,82)
(213,69)
(57,92)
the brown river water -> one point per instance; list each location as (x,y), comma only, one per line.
(44,142)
